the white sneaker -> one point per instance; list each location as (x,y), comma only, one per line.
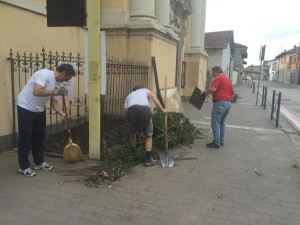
(44,166)
(27,172)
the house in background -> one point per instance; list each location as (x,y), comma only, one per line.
(265,70)
(284,66)
(224,52)
(220,48)
(295,66)
(255,72)
(272,69)
(252,72)
(240,54)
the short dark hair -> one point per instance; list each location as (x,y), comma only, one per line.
(216,69)
(66,67)
(137,87)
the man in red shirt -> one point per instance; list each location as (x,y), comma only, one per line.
(222,92)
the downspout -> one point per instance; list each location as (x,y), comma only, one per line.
(180,52)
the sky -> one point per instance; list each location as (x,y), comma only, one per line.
(255,23)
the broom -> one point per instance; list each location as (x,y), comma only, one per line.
(72,152)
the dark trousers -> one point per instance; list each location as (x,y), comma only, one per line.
(32,126)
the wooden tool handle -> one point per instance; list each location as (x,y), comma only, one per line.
(166,117)
(65,110)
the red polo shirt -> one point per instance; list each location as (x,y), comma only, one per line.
(224,89)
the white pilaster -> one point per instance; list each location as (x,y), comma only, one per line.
(202,28)
(141,9)
(198,27)
(162,12)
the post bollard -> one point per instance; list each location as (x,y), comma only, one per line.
(265,101)
(273,102)
(278,109)
(263,96)
(253,87)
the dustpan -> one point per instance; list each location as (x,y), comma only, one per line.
(197,99)
(166,157)
(72,152)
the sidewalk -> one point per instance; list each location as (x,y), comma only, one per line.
(251,180)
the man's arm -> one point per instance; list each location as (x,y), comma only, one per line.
(209,91)
(155,100)
(56,107)
(39,90)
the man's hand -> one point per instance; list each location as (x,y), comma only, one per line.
(65,118)
(61,91)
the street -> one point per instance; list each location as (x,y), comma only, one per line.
(289,95)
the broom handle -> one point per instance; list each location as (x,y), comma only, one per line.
(166,116)
(65,109)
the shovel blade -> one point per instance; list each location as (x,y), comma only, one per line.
(166,159)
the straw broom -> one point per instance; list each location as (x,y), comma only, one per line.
(72,152)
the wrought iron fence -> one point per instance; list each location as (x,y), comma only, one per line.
(122,76)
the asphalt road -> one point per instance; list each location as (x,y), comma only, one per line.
(289,100)
(290,95)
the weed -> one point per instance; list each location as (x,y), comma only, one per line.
(234,98)
(118,160)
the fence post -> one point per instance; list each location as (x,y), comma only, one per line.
(265,101)
(273,102)
(278,109)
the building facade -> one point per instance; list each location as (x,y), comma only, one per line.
(172,31)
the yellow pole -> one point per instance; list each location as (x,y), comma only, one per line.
(93,22)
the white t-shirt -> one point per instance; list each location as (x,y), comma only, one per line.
(46,79)
(138,97)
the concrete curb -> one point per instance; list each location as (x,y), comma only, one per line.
(290,117)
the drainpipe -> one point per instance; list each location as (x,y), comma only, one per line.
(180,52)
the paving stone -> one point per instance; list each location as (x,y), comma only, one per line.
(249,181)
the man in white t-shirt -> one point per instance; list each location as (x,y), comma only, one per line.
(44,85)
(139,116)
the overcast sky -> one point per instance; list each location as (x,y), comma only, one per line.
(273,23)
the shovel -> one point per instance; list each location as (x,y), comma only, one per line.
(72,152)
(166,157)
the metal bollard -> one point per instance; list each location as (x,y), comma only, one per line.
(263,96)
(273,102)
(265,101)
(278,109)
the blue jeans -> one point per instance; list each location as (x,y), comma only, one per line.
(219,113)
(32,127)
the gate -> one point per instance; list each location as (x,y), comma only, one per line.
(122,76)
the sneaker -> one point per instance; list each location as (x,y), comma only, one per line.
(222,143)
(27,172)
(213,145)
(150,162)
(44,166)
